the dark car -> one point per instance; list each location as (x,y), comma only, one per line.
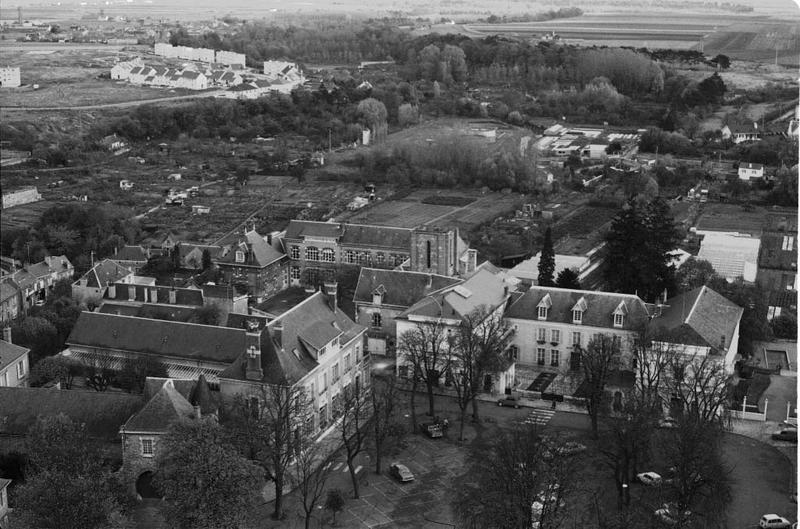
(786,434)
(431,429)
(509,400)
(401,472)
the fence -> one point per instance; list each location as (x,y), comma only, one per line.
(745,415)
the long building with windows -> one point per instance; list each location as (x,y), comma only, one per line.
(318,251)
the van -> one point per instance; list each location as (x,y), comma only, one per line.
(786,434)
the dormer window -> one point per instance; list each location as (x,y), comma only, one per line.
(577,311)
(543,307)
(619,314)
(239,256)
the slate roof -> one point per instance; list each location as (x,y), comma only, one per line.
(148,310)
(352,234)
(104,272)
(482,288)
(698,317)
(102,412)
(131,253)
(166,408)
(257,251)
(289,342)
(8,288)
(756,166)
(183,296)
(599,312)
(10,354)
(401,289)
(190,75)
(283,301)
(158,337)
(50,265)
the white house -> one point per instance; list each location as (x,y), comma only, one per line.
(748,171)
(14,364)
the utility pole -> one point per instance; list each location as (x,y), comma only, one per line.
(329,141)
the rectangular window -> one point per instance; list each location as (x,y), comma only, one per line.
(540,356)
(577,316)
(311,390)
(554,357)
(323,416)
(788,243)
(147,447)
(328,255)
(376,319)
(380,258)
(21,369)
(555,336)
(324,385)
(239,256)
(618,320)
(322,351)
(294,252)
(542,335)
(294,273)
(347,363)
(350,256)
(403,371)
(358,352)
(335,372)
(312,253)
(576,338)
(542,313)
(4,380)
(513,352)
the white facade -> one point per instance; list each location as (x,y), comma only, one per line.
(230,58)
(21,196)
(10,77)
(751,170)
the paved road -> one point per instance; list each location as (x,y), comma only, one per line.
(123,104)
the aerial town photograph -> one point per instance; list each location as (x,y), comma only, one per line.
(402,264)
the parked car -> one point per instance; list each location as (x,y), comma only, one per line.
(509,400)
(786,434)
(401,472)
(649,478)
(431,429)
(773,521)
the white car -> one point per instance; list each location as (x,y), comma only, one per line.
(649,478)
(773,521)
(401,472)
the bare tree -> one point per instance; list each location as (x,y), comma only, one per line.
(427,350)
(354,427)
(479,348)
(519,481)
(698,385)
(269,427)
(384,396)
(309,473)
(599,359)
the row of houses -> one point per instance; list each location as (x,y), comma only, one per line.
(21,289)
(229,58)
(137,73)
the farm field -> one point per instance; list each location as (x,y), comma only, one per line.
(410,211)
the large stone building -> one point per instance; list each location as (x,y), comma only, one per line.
(318,251)
(443,312)
(252,265)
(382,295)
(313,346)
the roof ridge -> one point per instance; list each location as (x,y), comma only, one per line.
(312,296)
(694,305)
(162,321)
(588,291)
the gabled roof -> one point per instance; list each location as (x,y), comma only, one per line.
(483,288)
(166,408)
(599,311)
(104,272)
(698,317)
(352,234)
(401,289)
(298,229)
(131,253)
(8,288)
(756,166)
(158,337)
(10,354)
(257,251)
(102,412)
(289,343)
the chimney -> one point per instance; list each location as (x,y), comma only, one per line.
(173,296)
(330,289)
(198,414)
(131,292)
(253,369)
(112,290)
(7,334)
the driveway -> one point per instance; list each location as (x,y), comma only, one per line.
(762,481)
